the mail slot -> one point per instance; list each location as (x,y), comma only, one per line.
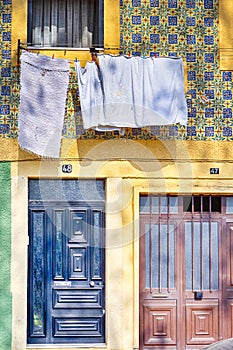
(62,284)
(160,295)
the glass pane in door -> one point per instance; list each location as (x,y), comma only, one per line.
(160,256)
(201,255)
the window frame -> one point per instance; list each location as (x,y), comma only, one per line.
(29,27)
(111,34)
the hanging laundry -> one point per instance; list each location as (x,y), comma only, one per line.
(43,90)
(90,92)
(139,92)
(91,96)
(118,93)
(158,87)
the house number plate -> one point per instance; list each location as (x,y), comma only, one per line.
(214,171)
(67,168)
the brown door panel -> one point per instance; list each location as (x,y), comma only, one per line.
(229,317)
(159,323)
(202,322)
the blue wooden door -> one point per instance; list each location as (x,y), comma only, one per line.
(66,262)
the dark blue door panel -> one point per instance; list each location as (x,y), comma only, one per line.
(66,272)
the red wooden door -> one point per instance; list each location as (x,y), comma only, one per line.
(186,278)
(228,281)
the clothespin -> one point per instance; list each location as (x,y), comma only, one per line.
(53,56)
(95,59)
(94,56)
(155,55)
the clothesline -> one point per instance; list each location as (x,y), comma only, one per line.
(128,56)
(93,51)
(94,57)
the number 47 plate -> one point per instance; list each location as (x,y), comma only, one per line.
(214,171)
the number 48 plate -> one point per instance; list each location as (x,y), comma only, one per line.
(67,168)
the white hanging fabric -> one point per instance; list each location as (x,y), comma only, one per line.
(136,92)
(91,97)
(43,91)
(90,92)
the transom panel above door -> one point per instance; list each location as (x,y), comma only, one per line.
(185,289)
(66,279)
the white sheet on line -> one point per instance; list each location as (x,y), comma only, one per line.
(132,92)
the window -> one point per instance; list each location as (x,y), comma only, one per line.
(206,204)
(109,27)
(65,23)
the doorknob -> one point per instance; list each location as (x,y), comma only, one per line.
(92,284)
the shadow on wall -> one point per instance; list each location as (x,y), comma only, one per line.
(226,344)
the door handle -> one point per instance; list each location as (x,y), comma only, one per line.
(198,295)
(92,284)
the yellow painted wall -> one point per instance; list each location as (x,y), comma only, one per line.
(129,158)
(129,168)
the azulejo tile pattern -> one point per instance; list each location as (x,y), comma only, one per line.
(184,28)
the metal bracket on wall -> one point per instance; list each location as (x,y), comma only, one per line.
(21,46)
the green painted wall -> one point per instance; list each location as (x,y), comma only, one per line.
(5,256)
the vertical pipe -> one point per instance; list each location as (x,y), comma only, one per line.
(201,244)
(150,242)
(210,245)
(159,246)
(192,239)
(168,247)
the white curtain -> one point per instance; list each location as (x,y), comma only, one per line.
(65,23)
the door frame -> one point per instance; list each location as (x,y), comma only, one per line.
(224,240)
(20,176)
